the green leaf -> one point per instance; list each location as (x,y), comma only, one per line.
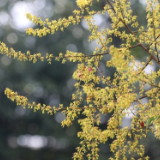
(150,121)
(157,117)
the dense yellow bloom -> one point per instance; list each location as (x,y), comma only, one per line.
(83,3)
(100,93)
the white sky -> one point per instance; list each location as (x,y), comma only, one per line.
(18,11)
(143,2)
(37,142)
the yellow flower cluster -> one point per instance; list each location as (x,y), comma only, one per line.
(23,101)
(100,93)
(53,26)
(83,3)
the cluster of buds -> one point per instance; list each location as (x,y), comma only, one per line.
(90,69)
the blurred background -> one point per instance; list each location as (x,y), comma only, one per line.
(27,135)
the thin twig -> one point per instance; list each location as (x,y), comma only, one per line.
(145,65)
